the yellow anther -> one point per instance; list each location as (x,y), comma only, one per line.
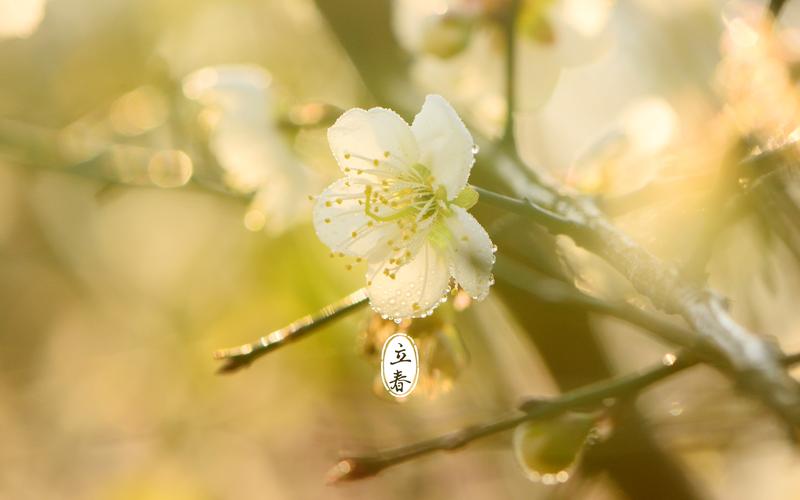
(327,221)
(375,162)
(327,203)
(385,154)
(347,156)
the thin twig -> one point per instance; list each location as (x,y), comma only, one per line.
(361,466)
(238,357)
(510,28)
(775,7)
(551,290)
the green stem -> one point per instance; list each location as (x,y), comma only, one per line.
(510,70)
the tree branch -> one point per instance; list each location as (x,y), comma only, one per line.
(235,358)
(550,290)
(362,466)
(753,360)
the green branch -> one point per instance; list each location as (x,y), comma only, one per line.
(752,360)
(510,28)
(551,290)
(362,466)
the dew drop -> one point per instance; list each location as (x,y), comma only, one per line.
(475,149)
(494,248)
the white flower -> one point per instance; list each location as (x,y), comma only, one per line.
(402,207)
(244,137)
(552,36)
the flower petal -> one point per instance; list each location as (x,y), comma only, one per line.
(417,287)
(445,144)
(472,255)
(378,139)
(342,224)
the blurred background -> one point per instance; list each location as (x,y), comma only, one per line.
(156,159)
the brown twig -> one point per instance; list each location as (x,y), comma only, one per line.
(235,358)
(775,7)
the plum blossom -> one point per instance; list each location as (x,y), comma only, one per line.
(402,207)
(238,104)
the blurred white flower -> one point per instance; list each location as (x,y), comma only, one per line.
(458,46)
(402,206)
(245,139)
(554,36)
(627,156)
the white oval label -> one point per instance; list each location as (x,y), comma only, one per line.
(399,365)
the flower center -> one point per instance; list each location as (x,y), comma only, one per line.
(409,197)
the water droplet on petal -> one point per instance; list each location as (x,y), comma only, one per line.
(475,149)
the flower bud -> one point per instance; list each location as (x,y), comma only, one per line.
(546,449)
